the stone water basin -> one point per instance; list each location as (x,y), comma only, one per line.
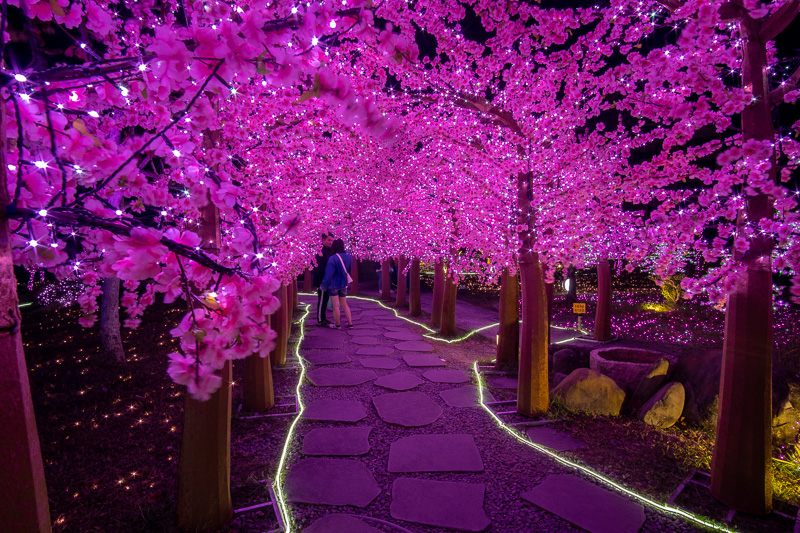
(626,366)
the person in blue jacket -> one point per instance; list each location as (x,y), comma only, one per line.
(336,281)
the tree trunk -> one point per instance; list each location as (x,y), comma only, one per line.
(533,394)
(278,321)
(24,505)
(438,293)
(507,354)
(448,327)
(110,336)
(295,296)
(414,303)
(548,289)
(386,280)
(354,274)
(602,317)
(741,467)
(257,390)
(204,469)
(400,301)
(308,278)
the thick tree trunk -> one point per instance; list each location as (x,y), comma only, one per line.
(204,470)
(24,505)
(548,289)
(386,280)
(308,278)
(400,300)
(438,293)
(257,390)
(602,317)
(354,274)
(295,296)
(279,323)
(414,303)
(508,330)
(110,336)
(448,327)
(741,467)
(533,394)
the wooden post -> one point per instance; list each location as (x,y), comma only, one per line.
(24,505)
(386,280)
(257,390)
(308,278)
(400,301)
(278,321)
(354,274)
(508,330)
(414,302)
(448,327)
(438,293)
(602,320)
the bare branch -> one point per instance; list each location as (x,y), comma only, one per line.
(776,95)
(777,22)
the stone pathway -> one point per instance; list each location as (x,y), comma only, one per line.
(392,436)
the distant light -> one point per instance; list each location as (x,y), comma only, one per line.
(118,212)
(142,67)
(163,213)
(12,168)
(42,212)
(567,284)
(41,164)
(333,24)
(20,77)
(294,10)
(259,255)
(176,153)
(53,245)
(94,114)
(83,45)
(33,243)
(314,41)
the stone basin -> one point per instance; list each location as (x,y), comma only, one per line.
(626,366)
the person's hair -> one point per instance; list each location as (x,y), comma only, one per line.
(337,247)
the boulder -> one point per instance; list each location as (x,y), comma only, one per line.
(625,365)
(566,360)
(591,392)
(691,413)
(785,425)
(558,378)
(652,381)
(665,407)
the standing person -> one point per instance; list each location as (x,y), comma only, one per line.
(318,274)
(336,280)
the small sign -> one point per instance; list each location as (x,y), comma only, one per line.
(579,309)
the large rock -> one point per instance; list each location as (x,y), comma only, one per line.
(651,383)
(665,407)
(591,392)
(625,365)
(566,360)
(785,424)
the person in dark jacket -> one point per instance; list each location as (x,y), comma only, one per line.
(317,275)
(336,281)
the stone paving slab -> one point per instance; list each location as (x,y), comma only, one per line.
(356,327)
(334,411)
(409,409)
(340,377)
(364,340)
(587,505)
(423,359)
(435,453)
(395,328)
(465,396)
(323,342)
(384,363)
(406,335)
(414,346)
(374,350)
(399,381)
(363,332)
(340,523)
(557,440)
(446,376)
(326,358)
(331,482)
(502,382)
(337,441)
(439,503)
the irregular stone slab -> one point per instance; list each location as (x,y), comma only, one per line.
(377,312)
(334,411)
(414,346)
(395,328)
(340,377)
(446,376)
(374,350)
(586,505)
(326,358)
(363,332)
(423,359)
(364,340)
(357,327)
(556,440)
(399,381)
(337,441)
(591,392)
(406,335)
(439,503)
(323,342)
(435,453)
(339,523)
(502,382)
(331,482)
(465,396)
(379,362)
(665,407)
(409,409)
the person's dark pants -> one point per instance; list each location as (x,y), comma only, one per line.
(322,305)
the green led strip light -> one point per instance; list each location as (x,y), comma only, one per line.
(591,473)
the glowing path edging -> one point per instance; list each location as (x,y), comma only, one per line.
(591,473)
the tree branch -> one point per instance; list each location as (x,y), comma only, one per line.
(776,95)
(777,22)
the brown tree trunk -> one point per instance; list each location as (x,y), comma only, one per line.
(438,293)
(257,390)
(602,317)
(533,394)
(308,278)
(295,296)
(354,274)
(110,336)
(414,303)
(386,280)
(548,289)
(448,327)
(400,300)
(278,321)
(507,354)
(741,467)
(24,505)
